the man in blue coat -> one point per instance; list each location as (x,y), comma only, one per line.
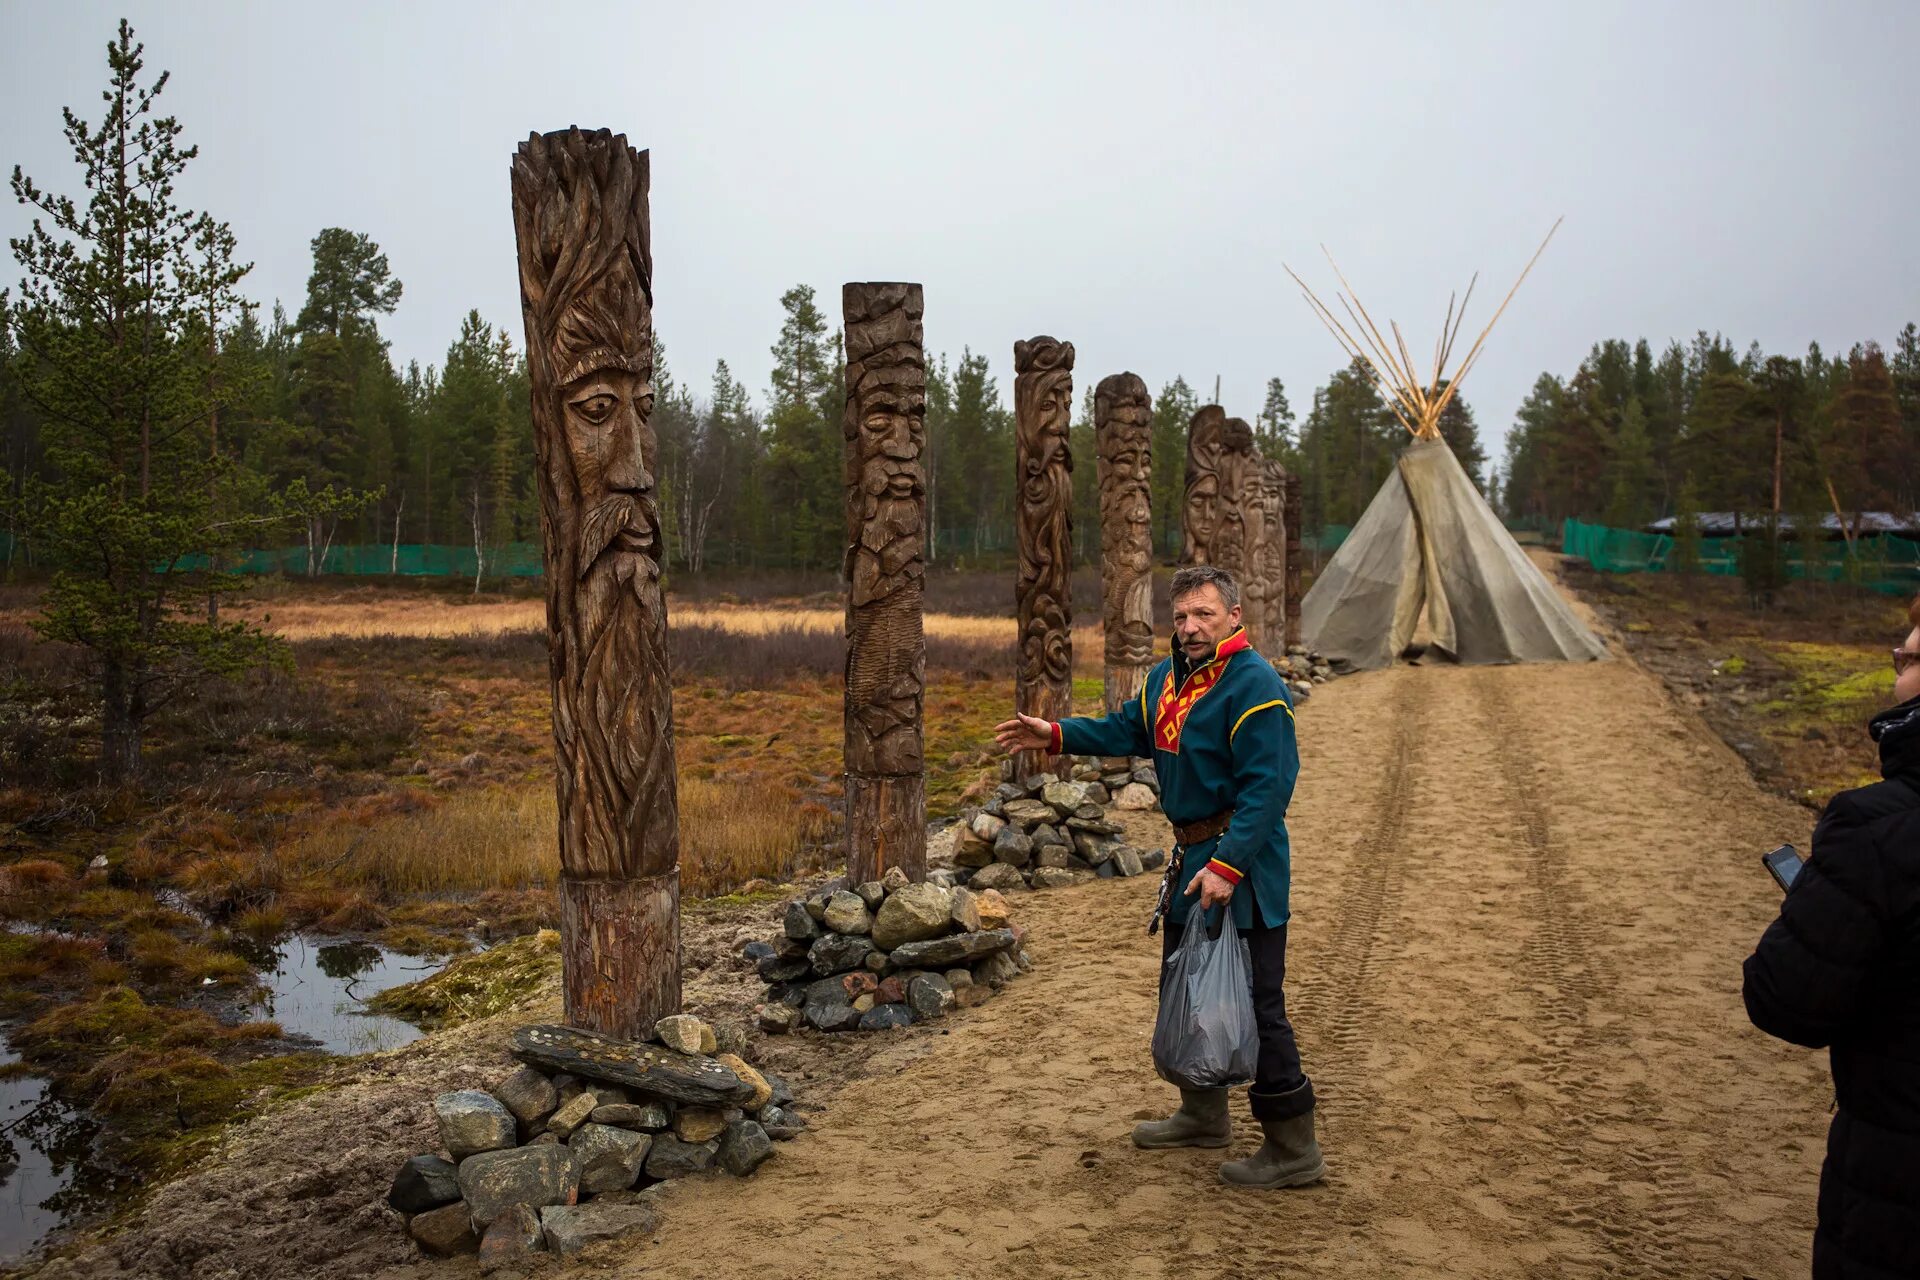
(1217,721)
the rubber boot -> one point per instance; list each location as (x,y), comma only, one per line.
(1290,1157)
(1201,1121)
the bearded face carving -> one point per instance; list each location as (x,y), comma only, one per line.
(1123,435)
(606,414)
(885,434)
(580,219)
(1043,402)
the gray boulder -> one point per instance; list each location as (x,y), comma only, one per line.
(743,1147)
(510,1239)
(1094,848)
(780,1124)
(529,1095)
(1135,797)
(473,1120)
(847,913)
(494,1181)
(1127,859)
(872,893)
(1000,875)
(886,1017)
(1028,813)
(1013,847)
(929,996)
(442,1233)
(799,922)
(423,1183)
(672,1158)
(996,970)
(570,1228)
(910,914)
(1153,859)
(839,952)
(1066,796)
(1060,877)
(609,1159)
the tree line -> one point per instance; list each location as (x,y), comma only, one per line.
(1630,437)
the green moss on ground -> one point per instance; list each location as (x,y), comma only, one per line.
(476,986)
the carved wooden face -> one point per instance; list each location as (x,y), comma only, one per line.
(1055,404)
(1203,502)
(892,426)
(604,415)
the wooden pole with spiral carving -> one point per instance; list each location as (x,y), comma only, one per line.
(586,292)
(1123,441)
(1043,518)
(885,438)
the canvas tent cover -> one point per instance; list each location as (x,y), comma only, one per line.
(1429,540)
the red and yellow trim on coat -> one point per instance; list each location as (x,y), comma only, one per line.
(1231,875)
(1170,716)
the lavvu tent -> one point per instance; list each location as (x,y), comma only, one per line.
(1428,543)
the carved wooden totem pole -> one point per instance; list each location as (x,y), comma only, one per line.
(1293,560)
(1123,438)
(1237,464)
(1265,587)
(885,431)
(586,282)
(1200,503)
(1042,402)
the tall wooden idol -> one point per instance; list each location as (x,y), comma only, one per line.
(1291,570)
(1123,440)
(586,291)
(1265,586)
(885,435)
(1043,594)
(1200,496)
(1236,466)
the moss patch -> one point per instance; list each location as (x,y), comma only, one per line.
(476,986)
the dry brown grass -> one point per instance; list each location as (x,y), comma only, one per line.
(501,838)
(366,615)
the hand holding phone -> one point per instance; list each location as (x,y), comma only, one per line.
(1783,864)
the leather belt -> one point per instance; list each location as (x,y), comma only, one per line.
(1205,829)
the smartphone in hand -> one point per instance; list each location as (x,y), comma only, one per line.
(1783,864)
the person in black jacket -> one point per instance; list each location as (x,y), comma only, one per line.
(1840,970)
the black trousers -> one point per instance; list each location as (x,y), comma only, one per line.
(1280,1088)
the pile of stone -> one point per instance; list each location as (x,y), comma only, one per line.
(1302,669)
(887,954)
(553,1160)
(1049,831)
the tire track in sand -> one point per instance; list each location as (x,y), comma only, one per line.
(1336,1000)
(1638,1207)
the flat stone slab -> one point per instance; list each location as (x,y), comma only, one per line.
(957,948)
(687,1078)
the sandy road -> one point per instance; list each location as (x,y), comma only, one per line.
(1522,897)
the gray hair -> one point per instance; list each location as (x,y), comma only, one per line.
(1191,578)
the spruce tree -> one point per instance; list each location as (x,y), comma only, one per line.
(116,314)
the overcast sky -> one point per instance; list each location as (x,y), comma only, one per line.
(1126,177)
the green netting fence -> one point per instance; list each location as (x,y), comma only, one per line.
(1878,562)
(516,560)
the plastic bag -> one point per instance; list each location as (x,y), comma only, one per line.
(1205,1036)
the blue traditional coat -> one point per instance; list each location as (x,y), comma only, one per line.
(1221,737)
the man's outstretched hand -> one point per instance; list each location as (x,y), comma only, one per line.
(1024,733)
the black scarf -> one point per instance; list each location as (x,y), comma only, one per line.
(1897,730)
